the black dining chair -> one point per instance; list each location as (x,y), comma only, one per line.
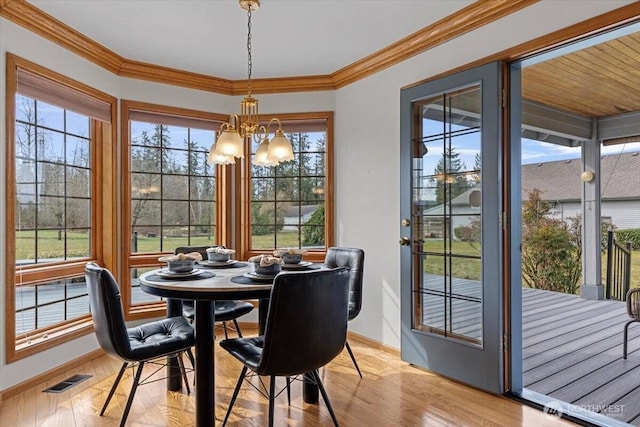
(223,311)
(633,311)
(306,328)
(142,344)
(352,259)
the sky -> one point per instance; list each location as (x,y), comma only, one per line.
(541,152)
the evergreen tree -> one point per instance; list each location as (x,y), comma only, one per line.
(449,173)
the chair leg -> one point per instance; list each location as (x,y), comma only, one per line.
(325,396)
(224,326)
(113,387)
(235,394)
(626,336)
(184,372)
(272,404)
(132,393)
(289,390)
(353,358)
(235,323)
(192,359)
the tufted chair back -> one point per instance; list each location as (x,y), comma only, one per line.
(352,259)
(307,322)
(106,309)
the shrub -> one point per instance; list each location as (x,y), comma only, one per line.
(314,236)
(629,235)
(550,260)
(551,249)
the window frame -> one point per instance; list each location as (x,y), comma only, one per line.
(146,260)
(102,195)
(243,201)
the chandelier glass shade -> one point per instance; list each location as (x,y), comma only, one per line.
(246,127)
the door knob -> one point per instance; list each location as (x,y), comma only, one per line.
(405,241)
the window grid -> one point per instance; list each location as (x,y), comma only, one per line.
(42,188)
(285,197)
(189,227)
(36,311)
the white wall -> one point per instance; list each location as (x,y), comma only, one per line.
(366,152)
(623,213)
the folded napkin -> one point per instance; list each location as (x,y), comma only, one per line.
(265,260)
(195,256)
(290,251)
(221,250)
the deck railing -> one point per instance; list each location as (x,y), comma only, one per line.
(618,268)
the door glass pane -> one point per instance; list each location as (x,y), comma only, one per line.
(446,206)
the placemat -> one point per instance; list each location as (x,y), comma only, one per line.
(313,266)
(203,275)
(234,265)
(248,281)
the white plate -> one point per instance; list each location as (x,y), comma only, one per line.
(166,273)
(300,266)
(208,263)
(260,277)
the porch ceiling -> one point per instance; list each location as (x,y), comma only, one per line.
(601,80)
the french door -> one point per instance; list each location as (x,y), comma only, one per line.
(451,252)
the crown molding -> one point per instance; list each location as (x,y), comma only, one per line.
(171,76)
(465,20)
(35,20)
(285,84)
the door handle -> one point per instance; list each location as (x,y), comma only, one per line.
(405,241)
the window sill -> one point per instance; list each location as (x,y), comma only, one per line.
(29,344)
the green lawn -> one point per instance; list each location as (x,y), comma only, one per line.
(78,243)
(465,268)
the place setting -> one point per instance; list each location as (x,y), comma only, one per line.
(181,267)
(220,257)
(263,269)
(292,260)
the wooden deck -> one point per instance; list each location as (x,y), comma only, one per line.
(572,351)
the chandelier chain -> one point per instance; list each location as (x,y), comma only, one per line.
(249,61)
(246,126)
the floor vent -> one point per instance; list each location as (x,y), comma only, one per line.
(66,384)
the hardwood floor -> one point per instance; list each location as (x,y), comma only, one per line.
(391,394)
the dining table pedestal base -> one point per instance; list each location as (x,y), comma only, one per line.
(205,364)
(309,389)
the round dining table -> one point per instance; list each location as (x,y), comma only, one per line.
(205,287)
(225,282)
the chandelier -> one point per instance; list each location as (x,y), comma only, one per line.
(245,127)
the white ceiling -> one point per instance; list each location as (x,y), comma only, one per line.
(290,37)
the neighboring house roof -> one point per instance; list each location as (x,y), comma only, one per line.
(560,180)
(464,203)
(300,210)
